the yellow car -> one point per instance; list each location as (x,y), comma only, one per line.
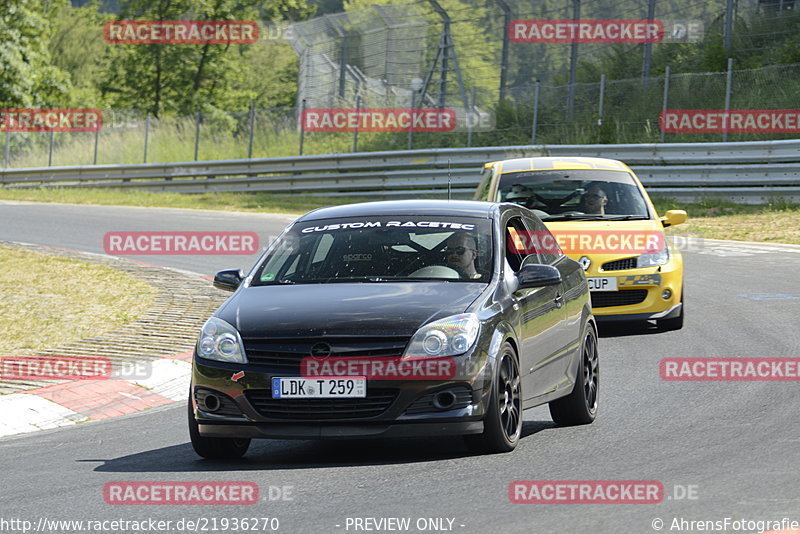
(601,217)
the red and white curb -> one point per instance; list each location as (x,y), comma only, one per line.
(79,401)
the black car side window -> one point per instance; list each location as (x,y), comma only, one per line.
(514,237)
(547,249)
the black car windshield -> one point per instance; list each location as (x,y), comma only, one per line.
(380,249)
(582,194)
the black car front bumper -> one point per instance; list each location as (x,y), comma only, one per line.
(247,410)
(218,429)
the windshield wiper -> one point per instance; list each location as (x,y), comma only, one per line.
(627,218)
(572,217)
(595,217)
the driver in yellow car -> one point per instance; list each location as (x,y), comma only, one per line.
(594,200)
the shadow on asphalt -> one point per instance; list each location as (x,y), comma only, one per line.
(284,454)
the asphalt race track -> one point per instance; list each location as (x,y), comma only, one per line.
(733,447)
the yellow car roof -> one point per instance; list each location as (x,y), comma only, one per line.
(557,163)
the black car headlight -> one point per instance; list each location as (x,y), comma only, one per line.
(221,342)
(450,336)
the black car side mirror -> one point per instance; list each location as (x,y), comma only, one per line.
(228,280)
(537,275)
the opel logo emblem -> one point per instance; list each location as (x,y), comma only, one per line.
(320,350)
(585,262)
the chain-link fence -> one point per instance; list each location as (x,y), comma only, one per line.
(384,53)
(419,55)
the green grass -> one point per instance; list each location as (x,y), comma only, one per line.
(253,202)
(57,305)
(775,222)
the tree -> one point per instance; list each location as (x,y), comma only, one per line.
(184,78)
(77,48)
(27,78)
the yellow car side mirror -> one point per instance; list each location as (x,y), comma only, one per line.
(674,217)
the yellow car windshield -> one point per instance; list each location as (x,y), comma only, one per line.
(575,194)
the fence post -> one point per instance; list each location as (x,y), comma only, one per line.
(411,121)
(302,124)
(664,104)
(50,152)
(146,137)
(252,128)
(535,125)
(7,152)
(197,136)
(648,46)
(96,141)
(573,62)
(504,52)
(358,118)
(728,24)
(728,85)
(470,116)
(602,99)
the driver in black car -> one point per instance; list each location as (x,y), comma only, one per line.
(461,250)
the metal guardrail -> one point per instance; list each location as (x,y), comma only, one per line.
(750,172)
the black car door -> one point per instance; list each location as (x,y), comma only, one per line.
(559,370)
(541,315)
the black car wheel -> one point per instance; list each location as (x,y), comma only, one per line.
(580,406)
(502,425)
(215,448)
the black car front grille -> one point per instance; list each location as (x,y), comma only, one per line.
(283,355)
(375,403)
(605,299)
(620,265)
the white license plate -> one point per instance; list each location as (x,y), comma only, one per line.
(602,284)
(319,388)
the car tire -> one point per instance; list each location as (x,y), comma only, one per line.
(215,448)
(502,425)
(580,406)
(676,323)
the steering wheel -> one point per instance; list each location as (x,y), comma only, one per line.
(439,271)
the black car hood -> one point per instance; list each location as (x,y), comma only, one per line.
(345,309)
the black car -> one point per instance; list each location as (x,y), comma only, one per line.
(398,318)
